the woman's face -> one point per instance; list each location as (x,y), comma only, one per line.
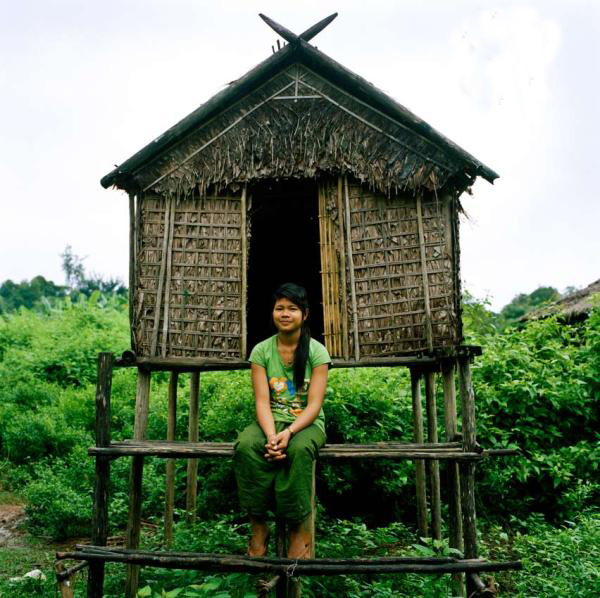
(287,316)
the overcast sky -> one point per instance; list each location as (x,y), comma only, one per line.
(86,84)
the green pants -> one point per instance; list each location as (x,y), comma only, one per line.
(283,487)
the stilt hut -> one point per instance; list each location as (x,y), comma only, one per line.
(299,169)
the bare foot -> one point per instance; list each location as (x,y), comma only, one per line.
(258,544)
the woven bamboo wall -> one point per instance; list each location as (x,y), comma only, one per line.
(401,273)
(189,299)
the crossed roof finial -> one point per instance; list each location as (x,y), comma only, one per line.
(290,36)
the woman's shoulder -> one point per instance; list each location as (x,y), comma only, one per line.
(262,351)
(318,353)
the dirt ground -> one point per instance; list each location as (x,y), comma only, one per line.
(11,517)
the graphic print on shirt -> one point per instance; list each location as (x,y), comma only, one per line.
(283,395)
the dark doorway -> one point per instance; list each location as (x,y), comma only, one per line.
(284,247)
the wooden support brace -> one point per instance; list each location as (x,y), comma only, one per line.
(467,470)
(100,514)
(453,473)
(170,464)
(420,480)
(142,404)
(192,466)
(434,465)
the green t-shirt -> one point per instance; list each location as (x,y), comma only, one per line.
(286,402)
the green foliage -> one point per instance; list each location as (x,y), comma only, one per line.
(27,293)
(60,346)
(536,389)
(524,303)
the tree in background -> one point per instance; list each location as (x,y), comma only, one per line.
(524,303)
(28,294)
(31,294)
(80,283)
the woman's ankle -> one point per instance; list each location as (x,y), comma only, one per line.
(300,541)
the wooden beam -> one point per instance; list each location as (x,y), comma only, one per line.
(453,473)
(317,28)
(170,464)
(142,403)
(467,470)
(102,481)
(244,564)
(420,480)
(192,468)
(434,466)
(288,36)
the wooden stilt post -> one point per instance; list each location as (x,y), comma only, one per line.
(100,515)
(467,470)
(454,506)
(420,481)
(434,465)
(281,589)
(142,403)
(170,464)
(192,466)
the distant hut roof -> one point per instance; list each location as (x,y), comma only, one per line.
(575,306)
(380,141)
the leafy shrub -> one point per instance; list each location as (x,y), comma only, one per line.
(29,436)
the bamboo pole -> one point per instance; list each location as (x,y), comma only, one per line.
(428,329)
(167,306)
(324,272)
(192,466)
(244,272)
(344,286)
(454,506)
(351,267)
(420,480)
(161,278)
(434,466)
(170,464)
(467,470)
(132,258)
(102,482)
(142,400)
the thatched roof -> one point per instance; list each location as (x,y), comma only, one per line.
(340,123)
(575,306)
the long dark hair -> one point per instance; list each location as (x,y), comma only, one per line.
(297,295)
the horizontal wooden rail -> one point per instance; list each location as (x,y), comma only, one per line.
(205,364)
(392,450)
(241,564)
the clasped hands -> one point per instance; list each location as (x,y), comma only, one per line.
(276,445)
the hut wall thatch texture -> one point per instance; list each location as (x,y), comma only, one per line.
(387,255)
(271,134)
(188,300)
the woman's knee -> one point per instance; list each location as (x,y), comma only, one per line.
(301,450)
(249,442)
